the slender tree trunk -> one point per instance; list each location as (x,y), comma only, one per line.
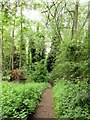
(20,65)
(3,65)
(12,57)
(2,48)
(10,61)
(89,43)
(30,54)
(12,49)
(76,17)
(75,21)
(58,32)
(29,51)
(1,59)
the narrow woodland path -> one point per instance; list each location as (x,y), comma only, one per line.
(45,108)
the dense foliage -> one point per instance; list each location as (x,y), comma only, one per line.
(71,97)
(38,73)
(52,55)
(19,100)
(72,61)
(71,101)
(52,46)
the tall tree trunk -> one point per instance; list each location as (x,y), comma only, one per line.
(3,65)
(12,57)
(58,32)
(29,52)
(0,59)
(12,49)
(1,52)
(89,43)
(2,48)
(75,21)
(10,61)
(20,65)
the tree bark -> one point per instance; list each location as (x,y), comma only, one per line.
(29,52)
(12,57)
(1,73)
(89,43)
(12,49)
(3,65)
(20,65)
(75,21)
(2,48)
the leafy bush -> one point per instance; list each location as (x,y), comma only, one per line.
(39,74)
(19,100)
(72,61)
(72,100)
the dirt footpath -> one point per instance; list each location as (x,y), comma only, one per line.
(45,108)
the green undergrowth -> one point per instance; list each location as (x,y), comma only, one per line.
(19,100)
(71,101)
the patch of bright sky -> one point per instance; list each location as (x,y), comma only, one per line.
(35,15)
(32,14)
(82,1)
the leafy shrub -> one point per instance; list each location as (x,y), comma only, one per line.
(19,100)
(72,100)
(39,74)
(72,62)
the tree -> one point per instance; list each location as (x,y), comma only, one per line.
(75,20)
(14,13)
(89,41)
(0,59)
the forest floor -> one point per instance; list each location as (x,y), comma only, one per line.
(45,109)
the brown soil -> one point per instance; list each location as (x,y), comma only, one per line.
(45,108)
